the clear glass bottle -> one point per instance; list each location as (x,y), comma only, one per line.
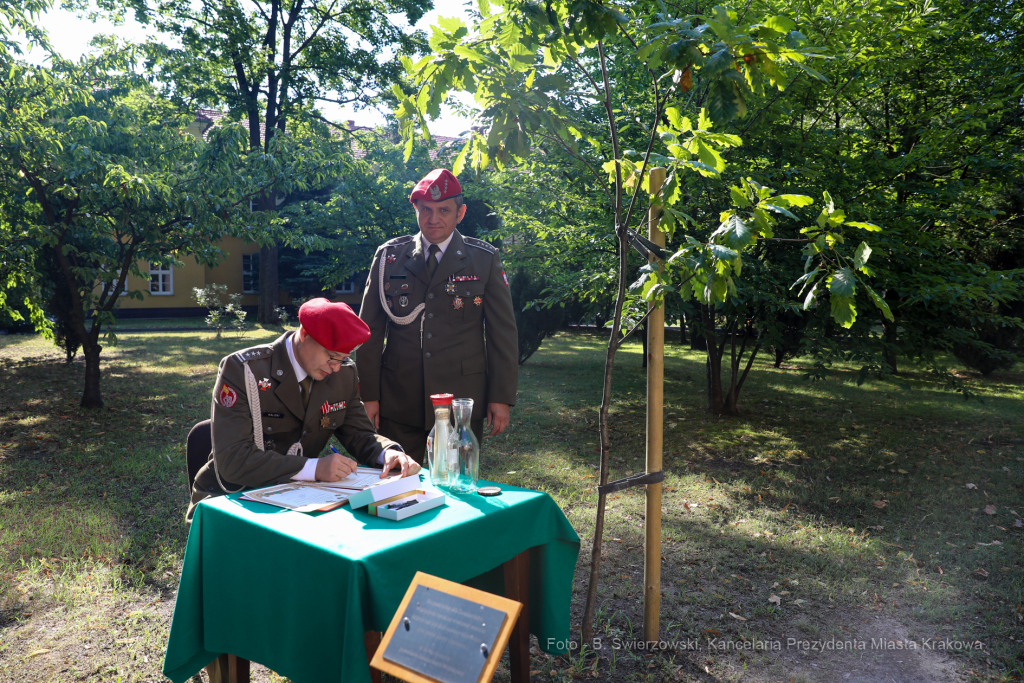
(438,456)
(463,441)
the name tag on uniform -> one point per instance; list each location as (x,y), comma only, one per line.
(273,414)
(398,277)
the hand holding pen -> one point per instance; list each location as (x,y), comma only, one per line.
(334,467)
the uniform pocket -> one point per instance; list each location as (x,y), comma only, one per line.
(389,360)
(475,365)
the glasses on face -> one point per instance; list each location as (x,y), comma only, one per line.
(335,363)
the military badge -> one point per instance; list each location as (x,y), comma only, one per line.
(435,192)
(391,258)
(387,285)
(504,277)
(391,304)
(404,287)
(403,301)
(457,303)
(450,288)
(328,408)
(479,300)
(263,384)
(228,396)
(464,278)
(325,422)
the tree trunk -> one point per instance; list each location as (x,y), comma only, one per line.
(889,337)
(643,343)
(91,396)
(682,329)
(716,400)
(268,287)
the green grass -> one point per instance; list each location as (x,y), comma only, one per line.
(92,505)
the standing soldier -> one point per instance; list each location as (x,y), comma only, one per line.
(443,303)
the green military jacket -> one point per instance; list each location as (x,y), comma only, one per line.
(452,333)
(334,408)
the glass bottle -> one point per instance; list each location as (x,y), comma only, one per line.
(463,441)
(438,456)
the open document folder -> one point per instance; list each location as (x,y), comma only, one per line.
(316,496)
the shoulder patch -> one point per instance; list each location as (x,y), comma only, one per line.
(480,244)
(228,396)
(255,352)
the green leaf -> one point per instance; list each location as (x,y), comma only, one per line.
(880,303)
(710,157)
(779,209)
(739,197)
(843,283)
(843,310)
(780,24)
(870,227)
(735,233)
(816,74)
(861,256)
(725,102)
(793,200)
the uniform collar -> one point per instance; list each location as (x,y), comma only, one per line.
(300,374)
(442,246)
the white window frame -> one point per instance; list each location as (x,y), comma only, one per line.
(161,271)
(346,287)
(249,258)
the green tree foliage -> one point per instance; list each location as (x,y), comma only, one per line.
(534,321)
(96,173)
(271,63)
(548,74)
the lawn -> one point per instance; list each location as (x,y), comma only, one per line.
(827,513)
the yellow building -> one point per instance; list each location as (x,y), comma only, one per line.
(168,293)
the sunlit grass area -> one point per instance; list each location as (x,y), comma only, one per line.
(825,510)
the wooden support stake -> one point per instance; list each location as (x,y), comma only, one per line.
(655,412)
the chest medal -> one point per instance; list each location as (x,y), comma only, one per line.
(457,303)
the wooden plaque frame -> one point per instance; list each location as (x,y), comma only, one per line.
(511,608)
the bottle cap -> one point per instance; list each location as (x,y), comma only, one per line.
(442,399)
(489,491)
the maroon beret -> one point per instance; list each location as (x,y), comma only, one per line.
(436,186)
(336,327)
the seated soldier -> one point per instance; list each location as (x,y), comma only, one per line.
(276,405)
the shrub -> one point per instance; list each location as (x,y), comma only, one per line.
(534,321)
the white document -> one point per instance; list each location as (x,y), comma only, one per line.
(299,497)
(362,478)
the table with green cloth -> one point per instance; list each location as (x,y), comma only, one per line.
(296,592)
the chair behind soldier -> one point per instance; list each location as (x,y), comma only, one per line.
(197,449)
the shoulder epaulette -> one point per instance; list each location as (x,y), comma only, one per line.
(480,244)
(255,352)
(398,240)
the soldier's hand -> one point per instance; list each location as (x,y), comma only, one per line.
(497,416)
(334,467)
(373,412)
(394,458)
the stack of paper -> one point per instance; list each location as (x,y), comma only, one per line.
(316,496)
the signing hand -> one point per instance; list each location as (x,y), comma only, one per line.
(497,417)
(373,412)
(394,458)
(334,467)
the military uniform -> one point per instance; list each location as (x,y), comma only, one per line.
(453,333)
(290,433)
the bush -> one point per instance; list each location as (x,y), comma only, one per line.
(221,316)
(985,356)
(533,321)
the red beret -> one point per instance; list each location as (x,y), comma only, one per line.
(436,186)
(336,327)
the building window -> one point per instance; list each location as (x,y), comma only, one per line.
(251,273)
(161,280)
(346,287)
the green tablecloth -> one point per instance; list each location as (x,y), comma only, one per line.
(296,592)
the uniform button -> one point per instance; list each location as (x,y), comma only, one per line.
(305,432)
(430,315)
(280,372)
(270,429)
(427,355)
(430,296)
(469,293)
(334,424)
(429,335)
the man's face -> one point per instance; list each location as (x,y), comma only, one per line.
(437,220)
(317,361)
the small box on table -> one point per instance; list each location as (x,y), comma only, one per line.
(397,498)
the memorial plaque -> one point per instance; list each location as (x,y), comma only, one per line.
(446,632)
(445,637)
